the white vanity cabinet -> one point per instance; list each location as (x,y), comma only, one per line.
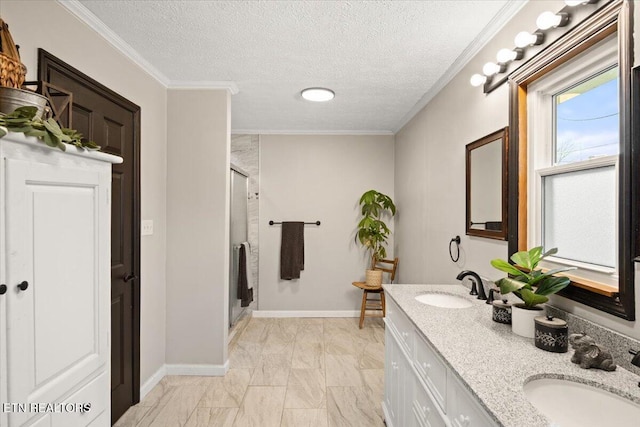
(55,263)
(420,389)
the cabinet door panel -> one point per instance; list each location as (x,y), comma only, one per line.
(93,393)
(401,326)
(432,370)
(391,378)
(53,243)
(425,409)
(462,409)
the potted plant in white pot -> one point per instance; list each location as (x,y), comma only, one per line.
(372,231)
(530,285)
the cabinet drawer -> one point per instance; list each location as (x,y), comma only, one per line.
(425,410)
(400,325)
(431,369)
(95,393)
(463,409)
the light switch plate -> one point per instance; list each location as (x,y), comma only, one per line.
(147,227)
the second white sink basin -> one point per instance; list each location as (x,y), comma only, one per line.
(567,404)
(444,300)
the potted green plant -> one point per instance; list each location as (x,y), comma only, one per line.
(25,119)
(372,231)
(530,285)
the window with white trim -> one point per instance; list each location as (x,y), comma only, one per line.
(574,144)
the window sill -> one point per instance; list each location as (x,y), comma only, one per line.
(595,287)
(586,284)
(590,285)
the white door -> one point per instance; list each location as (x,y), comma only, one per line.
(57,318)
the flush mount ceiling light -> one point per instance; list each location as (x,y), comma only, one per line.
(317,94)
(548,20)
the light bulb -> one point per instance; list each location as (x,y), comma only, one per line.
(524,39)
(548,20)
(477,80)
(490,69)
(506,55)
(572,3)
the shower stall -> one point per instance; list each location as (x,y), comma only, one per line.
(238,234)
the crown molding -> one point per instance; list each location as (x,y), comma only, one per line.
(85,15)
(232,87)
(311,132)
(489,32)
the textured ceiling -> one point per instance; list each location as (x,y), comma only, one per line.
(380,57)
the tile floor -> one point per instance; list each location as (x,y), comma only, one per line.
(283,372)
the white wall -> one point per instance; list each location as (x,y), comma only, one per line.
(309,178)
(198,133)
(46,24)
(430,177)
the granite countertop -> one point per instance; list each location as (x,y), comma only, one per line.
(494,363)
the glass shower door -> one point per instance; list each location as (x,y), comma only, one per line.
(237,234)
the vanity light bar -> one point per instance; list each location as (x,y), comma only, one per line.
(546,21)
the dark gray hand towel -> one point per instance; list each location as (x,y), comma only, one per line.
(245,295)
(292,250)
(493,225)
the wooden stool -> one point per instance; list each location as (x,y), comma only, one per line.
(375,303)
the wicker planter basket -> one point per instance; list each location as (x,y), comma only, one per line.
(373,278)
(12,70)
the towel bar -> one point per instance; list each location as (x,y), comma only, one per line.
(310,223)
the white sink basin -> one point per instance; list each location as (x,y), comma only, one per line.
(444,300)
(567,404)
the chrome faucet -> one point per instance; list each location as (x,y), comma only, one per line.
(477,288)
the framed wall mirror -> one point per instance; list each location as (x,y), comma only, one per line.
(564,144)
(487,186)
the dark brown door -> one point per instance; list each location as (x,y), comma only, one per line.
(113,123)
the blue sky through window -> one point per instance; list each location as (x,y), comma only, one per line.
(587,119)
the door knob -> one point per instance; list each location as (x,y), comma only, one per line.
(23,286)
(129,277)
(3,289)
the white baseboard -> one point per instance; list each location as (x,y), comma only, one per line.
(204,370)
(153,380)
(306,313)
